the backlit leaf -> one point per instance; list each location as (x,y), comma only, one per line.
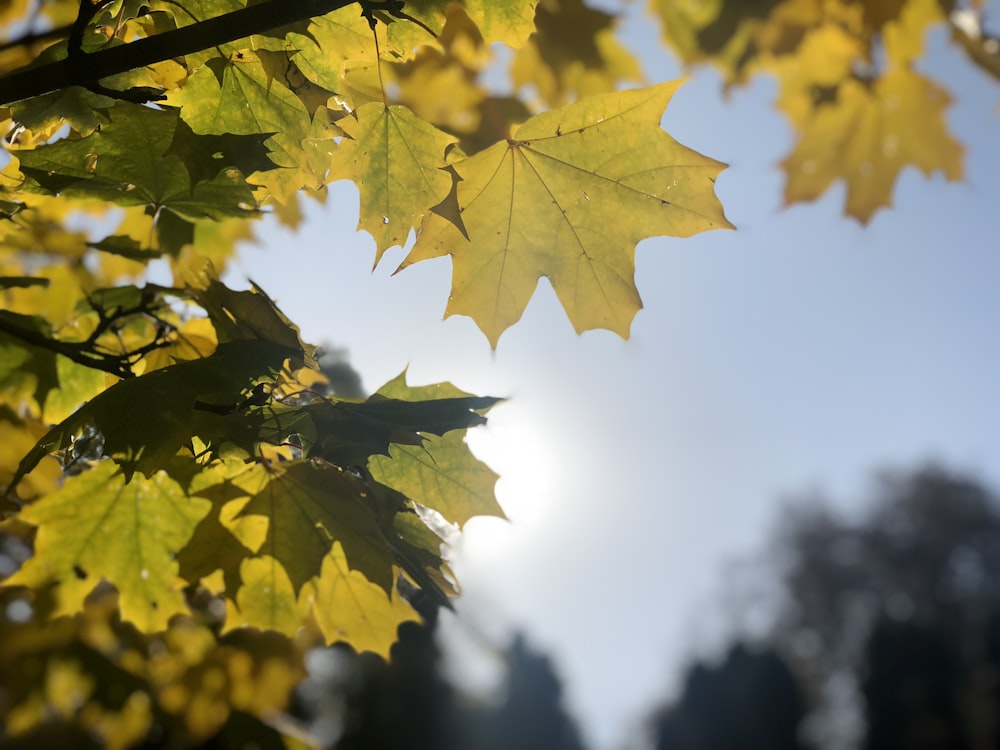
(127,162)
(441,473)
(238,97)
(308,507)
(349,607)
(867,136)
(568,197)
(508,21)
(97,526)
(397,161)
(266,599)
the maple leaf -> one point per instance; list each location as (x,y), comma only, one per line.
(868,136)
(98,526)
(568,197)
(221,542)
(335,45)
(508,21)
(237,96)
(348,607)
(441,473)
(573,53)
(143,422)
(397,161)
(309,506)
(127,163)
(266,599)
(868,131)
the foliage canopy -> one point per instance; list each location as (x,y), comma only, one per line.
(173,454)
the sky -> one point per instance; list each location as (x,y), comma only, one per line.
(800,352)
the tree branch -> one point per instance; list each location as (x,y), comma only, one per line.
(85,352)
(88,69)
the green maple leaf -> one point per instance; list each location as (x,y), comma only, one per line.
(74,105)
(145,421)
(308,506)
(237,96)
(568,197)
(221,542)
(440,473)
(128,162)
(98,526)
(397,161)
(349,433)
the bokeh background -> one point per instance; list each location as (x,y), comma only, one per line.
(647,480)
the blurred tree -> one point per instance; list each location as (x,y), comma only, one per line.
(750,701)
(531,716)
(402,704)
(887,636)
(911,689)
(407,704)
(897,611)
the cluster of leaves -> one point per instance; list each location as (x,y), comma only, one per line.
(170,454)
(181,488)
(217,473)
(400,108)
(847,81)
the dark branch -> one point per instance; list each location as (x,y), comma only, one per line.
(86,352)
(88,69)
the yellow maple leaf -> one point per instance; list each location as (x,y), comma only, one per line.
(396,159)
(867,136)
(574,53)
(507,21)
(567,197)
(348,607)
(98,526)
(266,599)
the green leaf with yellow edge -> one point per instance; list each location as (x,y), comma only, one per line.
(309,506)
(350,608)
(568,197)
(97,526)
(867,136)
(441,474)
(396,159)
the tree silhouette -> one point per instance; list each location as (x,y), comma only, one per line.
(918,565)
(751,700)
(911,688)
(531,716)
(406,703)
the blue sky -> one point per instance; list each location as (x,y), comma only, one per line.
(800,352)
